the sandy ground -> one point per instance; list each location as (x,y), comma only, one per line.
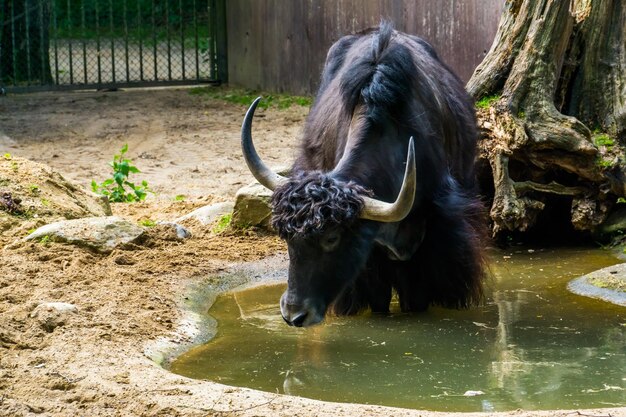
(94,362)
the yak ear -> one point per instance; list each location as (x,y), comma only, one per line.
(381,211)
(261,172)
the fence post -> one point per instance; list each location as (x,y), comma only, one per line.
(221,45)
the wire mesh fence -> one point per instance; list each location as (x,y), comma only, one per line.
(48,44)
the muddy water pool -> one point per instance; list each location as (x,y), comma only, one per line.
(533,345)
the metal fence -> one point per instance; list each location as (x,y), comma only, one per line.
(73,44)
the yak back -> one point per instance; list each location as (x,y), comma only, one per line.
(384,86)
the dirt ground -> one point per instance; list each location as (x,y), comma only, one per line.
(94,362)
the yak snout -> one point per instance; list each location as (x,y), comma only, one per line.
(299,314)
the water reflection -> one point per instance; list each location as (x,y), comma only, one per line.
(532,346)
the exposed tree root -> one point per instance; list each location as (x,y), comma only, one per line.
(539,153)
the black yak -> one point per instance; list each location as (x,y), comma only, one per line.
(382,196)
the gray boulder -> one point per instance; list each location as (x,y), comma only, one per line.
(253,207)
(102,234)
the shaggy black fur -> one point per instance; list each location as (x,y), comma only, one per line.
(383,80)
(312,202)
(379,88)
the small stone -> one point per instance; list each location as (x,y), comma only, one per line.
(471,393)
(177,230)
(124,260)
(53,314)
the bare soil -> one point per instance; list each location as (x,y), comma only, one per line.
(94,362)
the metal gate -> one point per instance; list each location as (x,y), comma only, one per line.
(80,44)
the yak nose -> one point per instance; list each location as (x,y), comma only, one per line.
(298,315)
(297,319)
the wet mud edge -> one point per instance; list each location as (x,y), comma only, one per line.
(196,326)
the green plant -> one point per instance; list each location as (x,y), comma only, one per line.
(34,188)
(180,197)
(119,188)
(603,140)
(7,156)
(486,101)
(147,223)
(222,223)
(604,163)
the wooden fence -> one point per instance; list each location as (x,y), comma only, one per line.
(280,45)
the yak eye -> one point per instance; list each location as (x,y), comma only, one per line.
(330,241)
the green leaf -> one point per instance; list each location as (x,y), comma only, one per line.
(141,195)
(124,149)
(119,178)
(133,169)
(123,168)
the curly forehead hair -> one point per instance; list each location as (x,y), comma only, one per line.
(311,202)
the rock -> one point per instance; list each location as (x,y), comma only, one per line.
(606,284)
(472,393)
(253,207)
(44,193)
(102,234)
(172,231)
(124,260)
(208,214)
(52,315)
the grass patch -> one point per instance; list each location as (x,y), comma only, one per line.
(603,140)
(609,282)
(222,223)
(246,97)
(487,101)
(604,163)
(147,223)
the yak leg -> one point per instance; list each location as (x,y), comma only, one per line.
(412,293)
(448,268)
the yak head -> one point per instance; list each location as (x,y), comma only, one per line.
(329,225)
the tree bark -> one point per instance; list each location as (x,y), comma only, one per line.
(556,122)
(25,42)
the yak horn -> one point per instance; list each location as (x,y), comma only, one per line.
(261,172)
(381,211)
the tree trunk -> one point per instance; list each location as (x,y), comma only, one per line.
(551,98)
(24,42)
